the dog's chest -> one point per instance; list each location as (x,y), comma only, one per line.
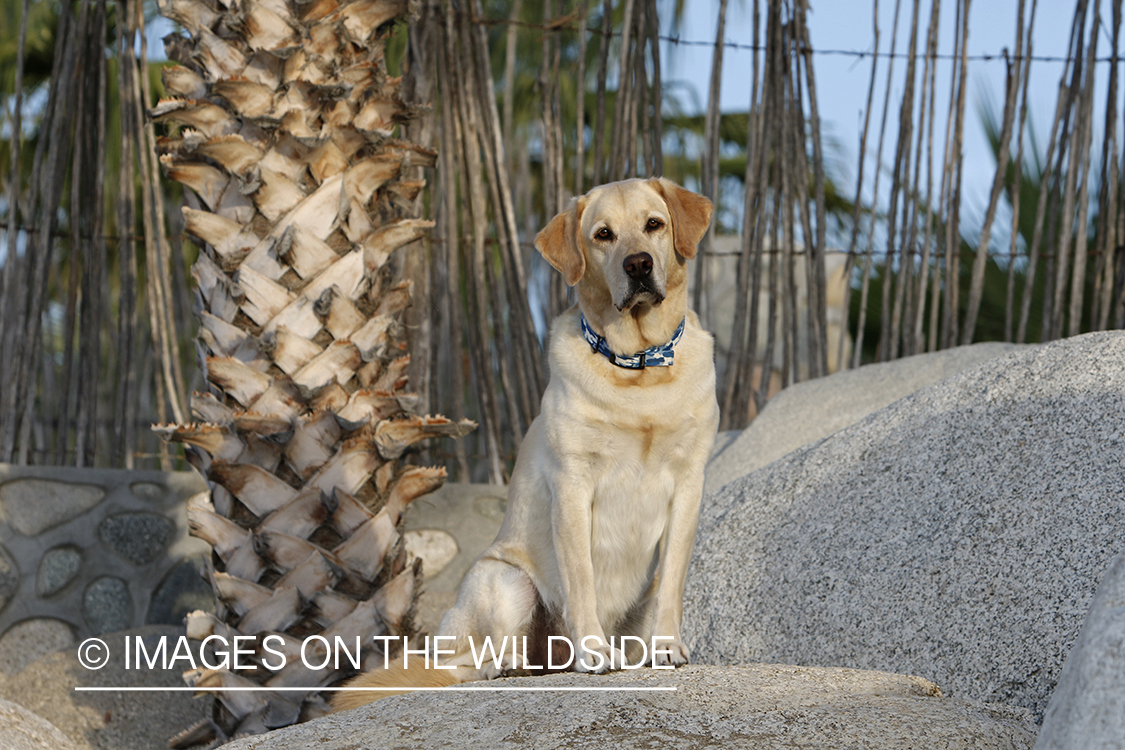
(629,510)
(638,458)
(630,503)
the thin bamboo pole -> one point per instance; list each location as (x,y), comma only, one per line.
(869,255)
(510,69)
(908,287)
(10,305)
(171,364)
(1107,228)
(420,258)
(741,355)
(472,186)
(556,121)
(1017,177)
(75,260)
(929,79)
(125,403)
(164,389)
(900,178)
(547,128)
(452,304)
(1078,277)
(953,219)
(776,53)
(643,120)
(709,173)
(976,286)
(93,288)
(1058,188)
(552,198)
(806,339)
(603,65)
(630,168)
(1040,210)
(818,316)
(580,103)
(521,354)
(657,92)
(1076,138)
(940,324)
(48,184)
(624,91)
(784,258)
(532,362)
(852,243)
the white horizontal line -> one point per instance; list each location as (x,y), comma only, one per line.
(452,688)
(455,688)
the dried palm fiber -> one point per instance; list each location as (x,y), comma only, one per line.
(287,123)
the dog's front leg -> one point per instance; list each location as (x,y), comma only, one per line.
(571,531)
(675,554)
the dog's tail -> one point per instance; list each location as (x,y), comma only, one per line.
(379,683)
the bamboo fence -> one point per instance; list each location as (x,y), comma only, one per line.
(530,104)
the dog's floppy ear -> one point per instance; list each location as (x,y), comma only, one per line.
(558,243)
(691,215)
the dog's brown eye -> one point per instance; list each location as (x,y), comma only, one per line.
(604,234)
(653,225)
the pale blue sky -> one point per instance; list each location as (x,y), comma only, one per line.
(842,81)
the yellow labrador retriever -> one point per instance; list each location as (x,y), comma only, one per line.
(604,497)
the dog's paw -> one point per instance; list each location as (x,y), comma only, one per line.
(599,659)
(491,671)
(670,653)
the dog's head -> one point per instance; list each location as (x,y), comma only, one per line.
(630,238)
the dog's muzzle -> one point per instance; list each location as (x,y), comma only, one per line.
(642,286)
(641,292)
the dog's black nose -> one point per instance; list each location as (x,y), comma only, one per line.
(638,265)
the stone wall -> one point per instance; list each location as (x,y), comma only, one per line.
(91,551)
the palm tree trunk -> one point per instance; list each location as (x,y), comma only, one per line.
(291,144)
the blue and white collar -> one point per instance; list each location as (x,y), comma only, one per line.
(654,356)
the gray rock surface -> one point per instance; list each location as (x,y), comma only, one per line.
(471,514)
(22,730)
(57,568)
(815,409)
(722,440)
(760,707)
(138,537)
(108,720)
(9,577)
(31,506)
(958,534)
(107,606)
(183,590)
(107,544)
(31,639)
(151,492)
(1087,710)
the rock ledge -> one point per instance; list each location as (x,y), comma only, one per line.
(759,706)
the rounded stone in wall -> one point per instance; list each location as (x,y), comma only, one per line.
(26,641)
(9,578)
(183,590)
(107,606)
(435,547)
(149,491)
(138,537)
(491,507)
(24,729)
(57,568)
(31,506)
